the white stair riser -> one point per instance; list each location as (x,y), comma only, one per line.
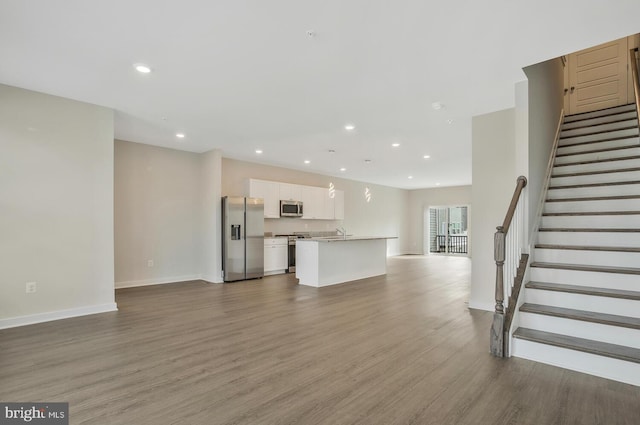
(631,141)
(596,221)
(597,128)
(605,367)
(630,240)
(593,206)
(596,156)
(588,258)
(598,166)
(596,178)
(600,120)
(632,132)
(606,305)
(600,113)
(581,329)
(626,282)
(583,192)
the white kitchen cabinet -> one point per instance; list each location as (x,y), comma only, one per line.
(275,255)
(338,205)
(290,192)
(270,192)
(312,206)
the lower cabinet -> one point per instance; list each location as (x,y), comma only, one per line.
(275,255)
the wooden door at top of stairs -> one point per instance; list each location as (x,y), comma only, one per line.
(598,77)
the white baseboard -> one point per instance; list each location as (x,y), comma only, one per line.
(212,279)
(482,306)
(13,322)
(147,282)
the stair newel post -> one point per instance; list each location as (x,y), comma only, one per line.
(497,328)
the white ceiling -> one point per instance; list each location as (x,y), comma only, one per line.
(239,75)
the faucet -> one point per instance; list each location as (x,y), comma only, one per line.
(342,231)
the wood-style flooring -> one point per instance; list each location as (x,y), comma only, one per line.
(397,349)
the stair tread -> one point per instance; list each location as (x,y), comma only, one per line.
(628,107)
(619,352)
(576,186)
(585,290)
(615,119)
(588,248)
(589,173)
(590,142)
(587,268)
(583,315)
(595,198)
(587,230)
(586,213)
(630,127)
(598,161)
(617,148)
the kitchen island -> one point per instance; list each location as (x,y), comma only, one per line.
(332,260)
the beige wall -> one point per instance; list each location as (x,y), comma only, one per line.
(385,215)
(157,214)
(420,200)
(56,203)
(494,179)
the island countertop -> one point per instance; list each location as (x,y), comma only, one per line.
(320,264)
(345,239)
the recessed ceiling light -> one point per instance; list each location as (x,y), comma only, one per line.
(180,135)
(343,169)
(142,68)
(349,127)
(410,177)
(258,151)
(395,145)
(437,105)
(427,156)
(306,161)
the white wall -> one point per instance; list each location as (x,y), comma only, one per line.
(56,203)
(422,199)
(211,216)
(494,180)
(385,215)
(545,95)
(157,214)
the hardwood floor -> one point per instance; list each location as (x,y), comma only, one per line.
(397,349)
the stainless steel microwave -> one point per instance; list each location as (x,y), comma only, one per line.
(290,209)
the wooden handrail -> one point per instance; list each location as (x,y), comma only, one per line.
(499,254)
(521,183)
(636,78)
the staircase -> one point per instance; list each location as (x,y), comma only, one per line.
(581,309)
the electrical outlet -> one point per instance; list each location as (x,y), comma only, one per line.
(149,263)
(30,287)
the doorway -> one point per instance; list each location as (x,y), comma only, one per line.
(446,230)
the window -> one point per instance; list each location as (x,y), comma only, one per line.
(447,230)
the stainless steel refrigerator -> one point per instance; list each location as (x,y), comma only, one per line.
(242,238)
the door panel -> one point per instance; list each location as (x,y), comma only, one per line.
(233,243)
(254,235)
(598,77)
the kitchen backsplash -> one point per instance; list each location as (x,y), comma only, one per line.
(281,226)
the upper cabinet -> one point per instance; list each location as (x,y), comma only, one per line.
(316,202)
(270,192)
(290,192)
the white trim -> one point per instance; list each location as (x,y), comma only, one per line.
(212,279)
(148,282)
(482,306)
(13,322)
